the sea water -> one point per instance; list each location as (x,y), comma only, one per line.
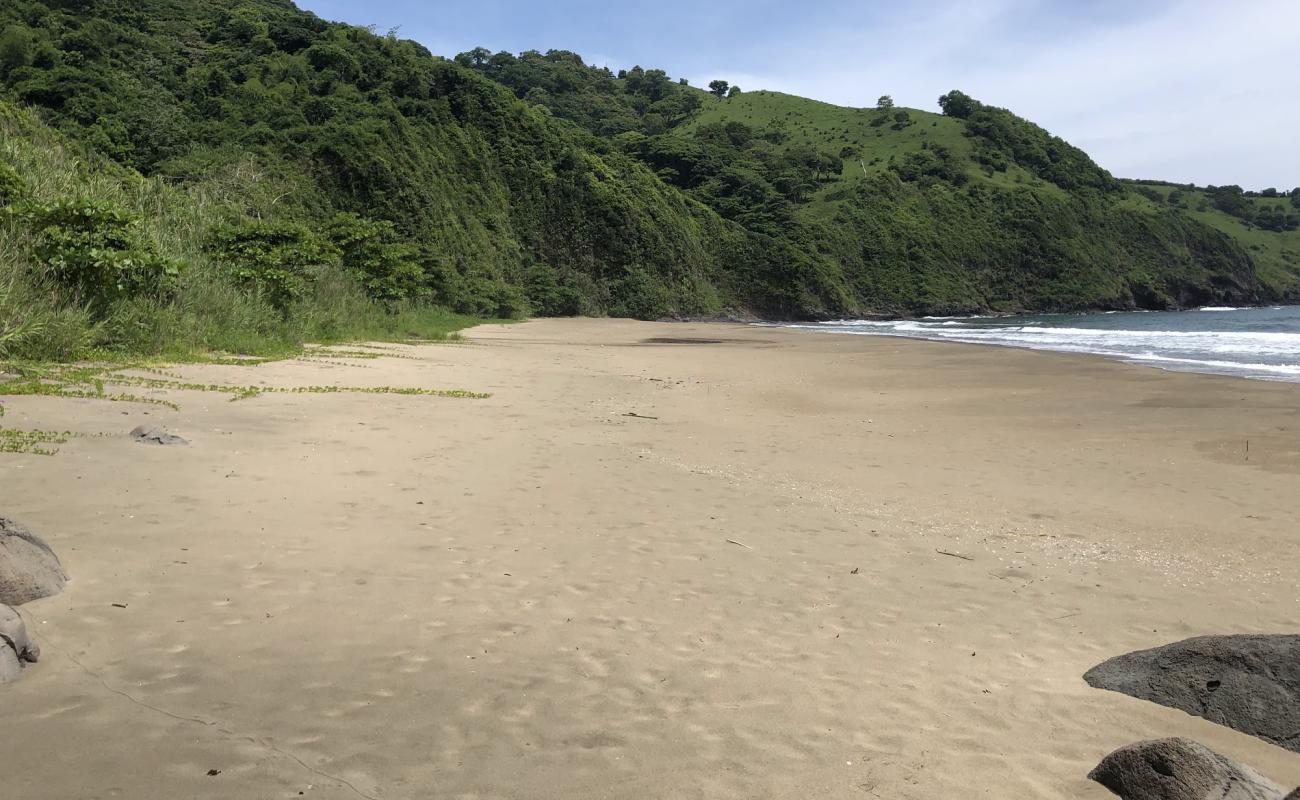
(1262,343)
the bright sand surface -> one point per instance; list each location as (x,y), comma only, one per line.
(738,593)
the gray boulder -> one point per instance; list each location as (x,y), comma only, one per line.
(154,435)
(28,567)
(1180,769)
(11,668)
(15,648)
(1249,683)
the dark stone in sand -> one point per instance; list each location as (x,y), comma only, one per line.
(28,567)
(15,648)
(1249,683)
(1180,769)
(153,435)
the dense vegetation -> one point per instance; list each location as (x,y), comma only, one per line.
(94,257)
(1266,223)
(904,211)
(204,174)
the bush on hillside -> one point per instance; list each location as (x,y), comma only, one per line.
(277,260)
(94,250)
(388,269)
(12,186)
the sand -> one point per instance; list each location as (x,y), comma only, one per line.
(738,593)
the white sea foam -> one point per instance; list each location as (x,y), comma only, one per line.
(1292,370)
(1217,347)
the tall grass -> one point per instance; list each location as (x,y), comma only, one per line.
(208,313)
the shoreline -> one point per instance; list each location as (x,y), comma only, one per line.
(660,560)
(1067,353)
(1160,354)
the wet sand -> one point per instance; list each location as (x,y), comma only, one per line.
(809,566)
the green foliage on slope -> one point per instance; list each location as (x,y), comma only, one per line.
(96,260)
(255,176)
(906,211)
(1266,223)
(414,178)
(986,211)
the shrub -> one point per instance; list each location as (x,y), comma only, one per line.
(95,250)
(12,186)
(277,260)
(549,297)
(387,269)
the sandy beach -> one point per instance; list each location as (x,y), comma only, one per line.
(660,561)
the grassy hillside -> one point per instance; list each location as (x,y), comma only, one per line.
(66,212)
(866,140)
(339,157)
(899,210)
(869,141)
(976,209)
(244,176)
(1268,227)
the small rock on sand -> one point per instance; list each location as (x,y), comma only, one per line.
(28,567)
(1248,682)
(15,648)
(1180,769)
(154,435)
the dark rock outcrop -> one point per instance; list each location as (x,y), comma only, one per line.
(1180,769)
(154,435)
(1250,683)
(28,567)
(15,648)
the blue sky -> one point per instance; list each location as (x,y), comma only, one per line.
(1185,90)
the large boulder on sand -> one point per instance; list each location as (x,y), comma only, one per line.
(28,567)
(1180,769)
(1250,683)
(15,648)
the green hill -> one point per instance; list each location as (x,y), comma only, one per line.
(895,210)
(241,176)
(1267,224)
(877,138)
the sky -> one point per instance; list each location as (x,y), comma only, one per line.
(1201,91)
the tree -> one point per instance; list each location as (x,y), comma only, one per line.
(719,87)
(478,57)
(245,24)
(958,104)
(1231,200)
(371,250)
(733,91)
(277,260)
(655,84)
(885,103)
(15,49)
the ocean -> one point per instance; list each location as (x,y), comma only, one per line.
(1260,343)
